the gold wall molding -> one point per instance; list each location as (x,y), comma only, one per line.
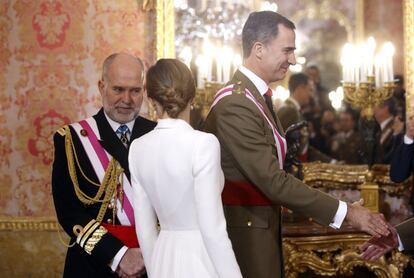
(408,14)
(340,256)
(12,223)
(165,28)
(330,176)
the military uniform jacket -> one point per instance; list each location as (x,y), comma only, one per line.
(348,149)
(71,211)
(248,154)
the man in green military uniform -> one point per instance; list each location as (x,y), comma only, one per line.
(253,150)
(301,89)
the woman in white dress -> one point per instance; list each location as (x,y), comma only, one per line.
(177,178)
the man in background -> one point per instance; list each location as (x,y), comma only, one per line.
(384,114)
(347,145)
(301,90)
(320,101)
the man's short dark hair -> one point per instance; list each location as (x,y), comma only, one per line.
(262,27)
(296,80)
(312,67)
(391,105)
(352,113)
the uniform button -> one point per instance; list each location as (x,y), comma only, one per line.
(109,221)
(111,206)
(249,223)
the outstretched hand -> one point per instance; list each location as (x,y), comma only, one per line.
(375,247)
(367,221)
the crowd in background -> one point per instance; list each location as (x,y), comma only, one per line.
(336,133)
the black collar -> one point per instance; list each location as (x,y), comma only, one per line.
(113,145)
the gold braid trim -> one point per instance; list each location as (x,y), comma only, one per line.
(111,188)
(88,233)
(62,131)
(84,230)
(94,239)
(109,183)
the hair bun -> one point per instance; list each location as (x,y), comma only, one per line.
(175,102)
(171,84)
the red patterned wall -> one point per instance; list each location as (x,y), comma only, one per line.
(51,52)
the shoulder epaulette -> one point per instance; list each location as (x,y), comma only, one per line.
(237,88)
(62,130)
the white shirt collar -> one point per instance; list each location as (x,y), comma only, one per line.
(385,122)
(116,125)
(172,123)
(295,102)
(256,80)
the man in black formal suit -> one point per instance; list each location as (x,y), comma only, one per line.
(402,164)
(385,116)
(90,179)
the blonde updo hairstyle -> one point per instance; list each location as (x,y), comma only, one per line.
(171,84)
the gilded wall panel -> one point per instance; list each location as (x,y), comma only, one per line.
(409,54)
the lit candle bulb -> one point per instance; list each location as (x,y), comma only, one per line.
(363,57)
(201,64)
(219,64)
(208,54)
(389,51)
(378,63)
(227,57)
(346,62)
(371,45)
(237,61)
(186,56)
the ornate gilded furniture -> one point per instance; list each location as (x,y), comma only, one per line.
(309,247)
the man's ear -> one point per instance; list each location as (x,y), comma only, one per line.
(101,86)
(257,50)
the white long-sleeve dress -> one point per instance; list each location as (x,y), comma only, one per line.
(177,178)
